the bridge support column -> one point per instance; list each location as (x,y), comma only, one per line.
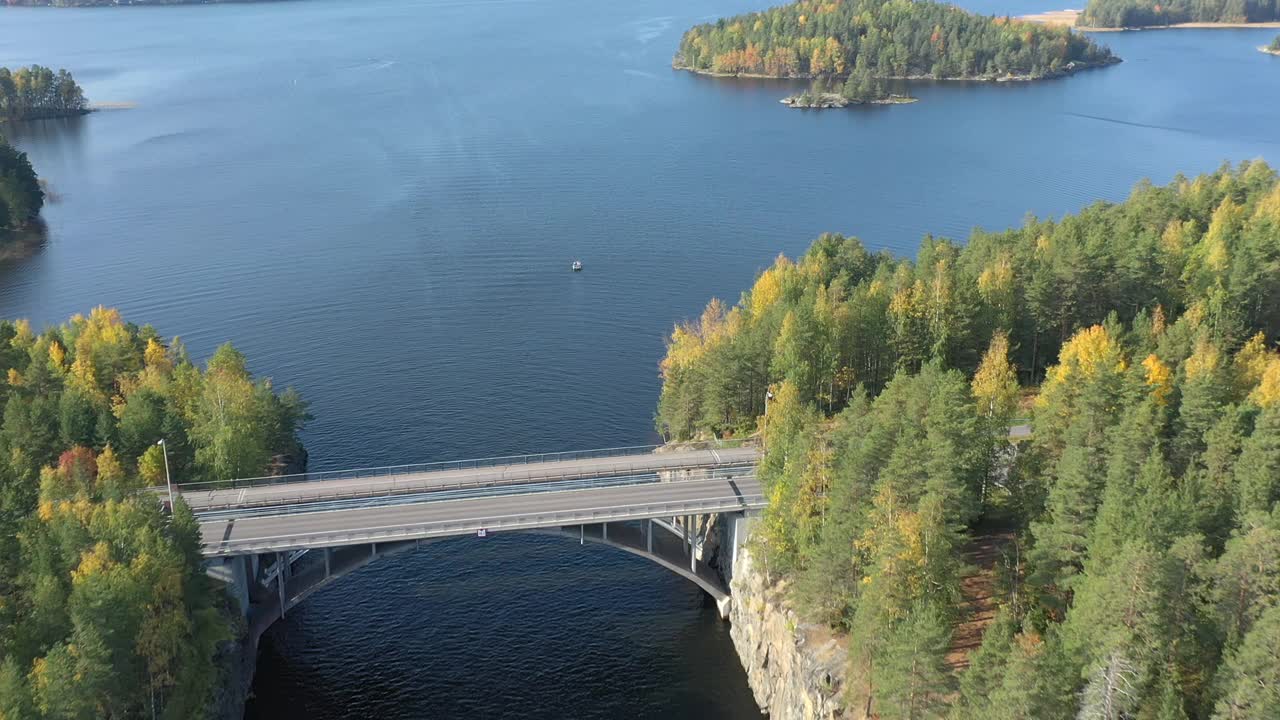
(582,534)
(604,531)
(234,573)
(328,555)
(282,567)
(648,535)
(693,552)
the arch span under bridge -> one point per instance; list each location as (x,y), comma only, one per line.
(275,541)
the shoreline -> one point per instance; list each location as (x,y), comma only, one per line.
(830,101)
(23,242)
(1071,69)
(50,115)
(92,108)
(1269,51)
(1069,18)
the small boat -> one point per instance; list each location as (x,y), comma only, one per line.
(576,266)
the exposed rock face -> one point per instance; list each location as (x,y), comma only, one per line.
(796,670)
(816,100)
(238,659)
(290,463)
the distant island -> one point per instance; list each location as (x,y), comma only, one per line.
(818,101)
(860,88)
(1273,48)
(110,3)
(1121,14)
(36,92)
(883,41)
(1075,19)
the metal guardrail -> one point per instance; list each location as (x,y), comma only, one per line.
(518,521)
(366,498)
(388,486)
(475,463)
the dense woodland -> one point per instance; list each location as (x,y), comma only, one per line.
(1139,578)
(1146,13)
(894,39)
(37,92)
(21,197)
(1275,45)
(105,611)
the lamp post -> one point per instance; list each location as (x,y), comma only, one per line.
(168,483)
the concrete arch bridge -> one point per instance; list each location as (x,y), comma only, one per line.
(275,541)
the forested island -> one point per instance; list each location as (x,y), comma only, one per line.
(1137,528)
(1274,47)
(29,93)
(1156,13)
(105,609)
(35,92)
(884,40)
(21,197)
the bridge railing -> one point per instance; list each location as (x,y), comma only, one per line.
(445,465)
(421,468)
(510,522)
(375,490)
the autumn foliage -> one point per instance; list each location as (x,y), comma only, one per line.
(105,610)
(1141,580)
(894,39)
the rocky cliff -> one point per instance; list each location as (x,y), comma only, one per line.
(796,670)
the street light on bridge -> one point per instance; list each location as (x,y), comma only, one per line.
(167,482)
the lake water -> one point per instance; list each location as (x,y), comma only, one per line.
(378,201)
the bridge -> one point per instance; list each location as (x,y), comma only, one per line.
(276,540)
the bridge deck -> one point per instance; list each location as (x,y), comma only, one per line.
(382,484)
(387,523)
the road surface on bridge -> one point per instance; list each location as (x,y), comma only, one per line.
(291,530)
(386,481)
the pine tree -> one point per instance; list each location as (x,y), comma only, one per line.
(1119,627)
(1205,390)
(1038,683)
(1251,675)
(1258,470)
(1247,577)
(986,671)
(1061,540)
(913,677)
(15,697)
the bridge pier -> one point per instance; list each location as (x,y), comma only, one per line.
(282,570)
(234,573)
(693,553)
